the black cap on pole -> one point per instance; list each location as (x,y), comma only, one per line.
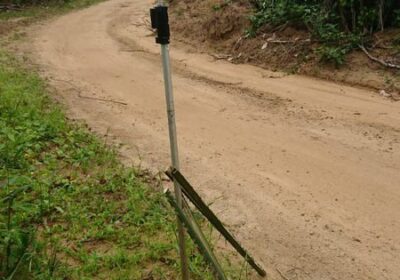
(159,21)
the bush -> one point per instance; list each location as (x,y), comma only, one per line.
(333,55)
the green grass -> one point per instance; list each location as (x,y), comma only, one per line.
(69,208)
(48,9)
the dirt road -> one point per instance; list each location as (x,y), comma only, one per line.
(305,172)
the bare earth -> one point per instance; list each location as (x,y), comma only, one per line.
(305,172)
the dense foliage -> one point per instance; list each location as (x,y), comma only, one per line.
(339,24)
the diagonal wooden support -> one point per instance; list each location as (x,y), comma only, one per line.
(197,201)
(195,233)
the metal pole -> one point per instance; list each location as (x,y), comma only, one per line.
(169,96)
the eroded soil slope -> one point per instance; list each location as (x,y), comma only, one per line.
(219,27)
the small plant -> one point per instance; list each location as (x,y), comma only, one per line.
(217,7)
(335,55)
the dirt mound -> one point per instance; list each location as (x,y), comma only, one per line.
(220,27)
(213,23)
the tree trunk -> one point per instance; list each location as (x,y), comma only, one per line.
(343,18)
(381,11)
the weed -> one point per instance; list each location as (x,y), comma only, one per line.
(220,6)
(333,55)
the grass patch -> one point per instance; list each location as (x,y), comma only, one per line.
(12,20)
(70,209)
(50,8)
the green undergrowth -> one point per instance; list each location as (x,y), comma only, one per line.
(339,26)
(44,9)
(69,208)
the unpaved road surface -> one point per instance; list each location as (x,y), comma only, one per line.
(305,172)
